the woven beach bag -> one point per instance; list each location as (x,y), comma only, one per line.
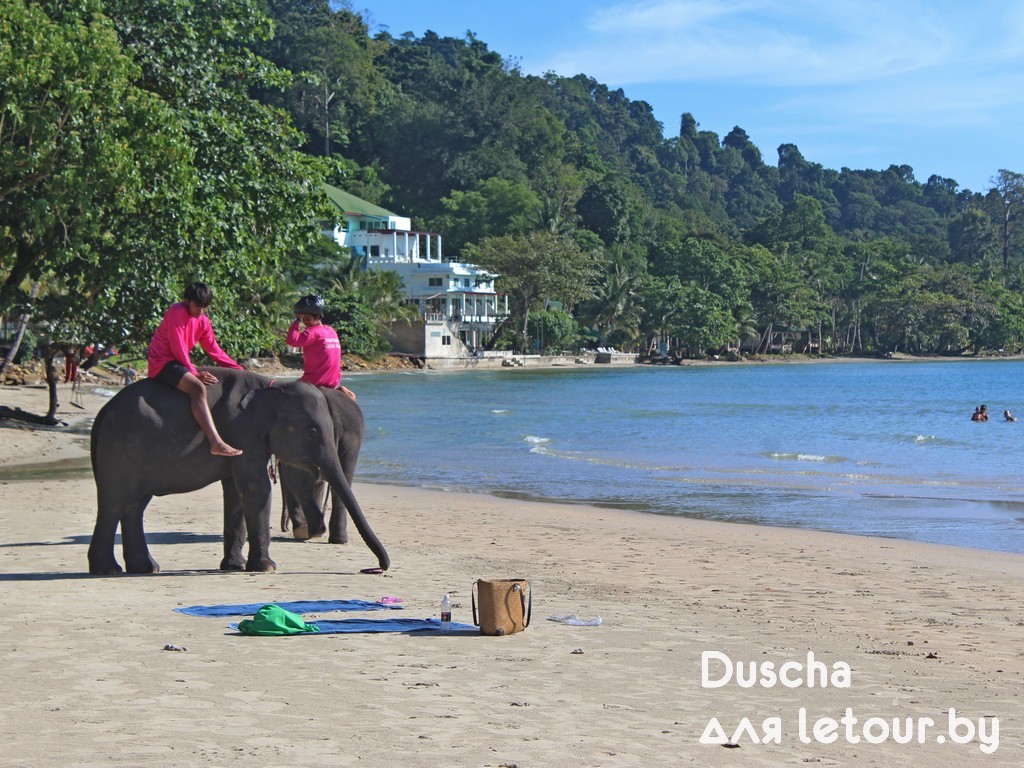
(505,606)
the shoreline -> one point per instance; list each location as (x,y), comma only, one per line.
(355,366)
(28,450)
(923,628)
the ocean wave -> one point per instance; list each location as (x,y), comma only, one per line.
(499,410)
(781,456)
(536,440)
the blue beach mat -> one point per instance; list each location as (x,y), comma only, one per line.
(299,606)
(348,626)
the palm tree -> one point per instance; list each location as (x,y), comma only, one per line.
(616,305)
(384,293)
(745,325)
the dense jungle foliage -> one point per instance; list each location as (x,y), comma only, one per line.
(146,144)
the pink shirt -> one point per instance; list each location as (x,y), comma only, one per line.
(321,354)
(177,334)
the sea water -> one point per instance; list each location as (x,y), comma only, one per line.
(878,448)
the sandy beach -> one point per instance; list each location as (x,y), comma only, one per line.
(897,631)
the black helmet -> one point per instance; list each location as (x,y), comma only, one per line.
(310,305)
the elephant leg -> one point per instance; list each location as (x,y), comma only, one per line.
(309,499)
(300,529)
(115,508)
(255,495)
(301,492)
(101,547)
(339,521)
(234,528)
(137,558)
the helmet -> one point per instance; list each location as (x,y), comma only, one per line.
(310,305)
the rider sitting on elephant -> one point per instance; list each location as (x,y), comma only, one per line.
(321,349)
(184,325)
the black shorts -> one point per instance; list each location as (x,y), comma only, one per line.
(171,374)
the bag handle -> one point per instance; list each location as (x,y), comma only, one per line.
(527,609)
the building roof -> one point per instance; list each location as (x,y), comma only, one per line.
(350,204)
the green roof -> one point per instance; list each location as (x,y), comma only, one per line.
(354,205)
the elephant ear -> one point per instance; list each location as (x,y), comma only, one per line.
(258,407)
(247,398)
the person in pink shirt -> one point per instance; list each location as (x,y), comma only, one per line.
(321,349)
(184,325)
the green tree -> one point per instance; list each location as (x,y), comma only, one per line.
(1005,330)
(662,303)
(150,165)
(704,323)
(973,239)
(1005,202)
(535,267)
(611,207)
(616,310)
(357,327)
(257,197)
(337,89)
(555,330)
(85,153)
(496,207)
(380,295)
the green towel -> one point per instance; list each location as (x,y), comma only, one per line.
(275,620)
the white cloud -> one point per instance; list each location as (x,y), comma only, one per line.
(790,42)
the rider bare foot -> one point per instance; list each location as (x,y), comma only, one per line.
(223,449)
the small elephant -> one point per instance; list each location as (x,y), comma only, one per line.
(146,443)
(348,430)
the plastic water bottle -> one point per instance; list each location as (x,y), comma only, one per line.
(446,614)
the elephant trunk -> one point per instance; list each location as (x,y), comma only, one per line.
(339,485)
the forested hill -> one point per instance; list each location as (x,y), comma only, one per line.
(699,240)
(144,145)
(435,116)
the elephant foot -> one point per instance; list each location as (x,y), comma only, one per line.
(148,565)
(343,539)
(231,565)
(301,532)
(316,533)
(261,566)
(106,569)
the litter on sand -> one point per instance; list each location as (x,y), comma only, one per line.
(575,621)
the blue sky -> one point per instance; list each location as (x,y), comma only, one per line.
(937,85)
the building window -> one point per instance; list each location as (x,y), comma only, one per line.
(446,341)
(465,283)
(434,282)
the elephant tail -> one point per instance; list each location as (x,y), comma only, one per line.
(348,498)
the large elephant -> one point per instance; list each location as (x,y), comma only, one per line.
(349,427)
(146,443)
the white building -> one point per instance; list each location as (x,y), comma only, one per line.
(457,301)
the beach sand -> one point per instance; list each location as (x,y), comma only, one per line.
(87,680)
